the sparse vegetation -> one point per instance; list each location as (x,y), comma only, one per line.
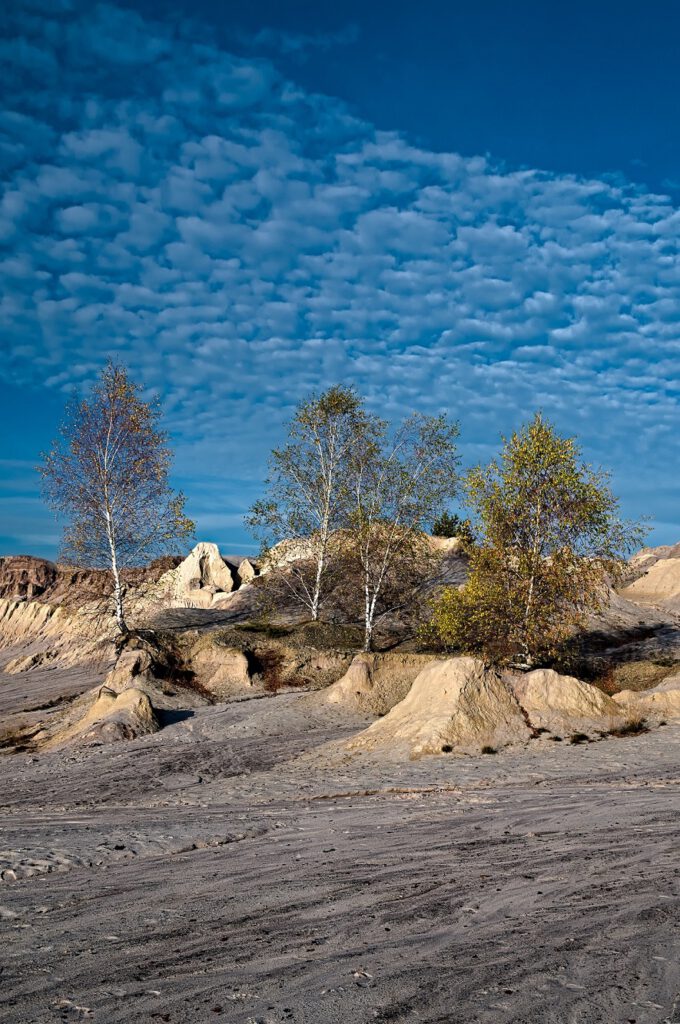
(309,493)
(633,726)
(269,665)
(398,484)
(263,628)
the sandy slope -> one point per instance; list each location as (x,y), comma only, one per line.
(241,865)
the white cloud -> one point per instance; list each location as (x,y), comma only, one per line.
(238,241)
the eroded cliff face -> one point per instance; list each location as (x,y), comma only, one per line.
(26,576)
(56,615)
(37,579)
(37,633)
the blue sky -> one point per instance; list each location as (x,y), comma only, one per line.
(456,207)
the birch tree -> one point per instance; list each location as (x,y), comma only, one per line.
(308,494)
(400,483)
(551,540)
(107,475)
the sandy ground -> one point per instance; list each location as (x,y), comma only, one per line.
(241,866)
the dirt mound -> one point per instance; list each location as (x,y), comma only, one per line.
(375,683)
(659,585)
(222,671)
(647,557)
(457,704)
(660,703)
(110,718)
(562,704)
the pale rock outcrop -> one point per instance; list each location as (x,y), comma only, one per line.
(444,545)
(662,702)
(222,671)
(375,683)
(563,705)
(247,571)
(200,579)
(458,705)
(286,551)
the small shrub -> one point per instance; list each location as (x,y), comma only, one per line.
(579,737)
(633,726)
(607,682)
(448,525)
(447,748)
(555,739)
(270,664)
(489,750)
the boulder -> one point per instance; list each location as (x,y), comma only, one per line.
(247,571)
(563,705)
(200,578)
(374,683)
(458,704)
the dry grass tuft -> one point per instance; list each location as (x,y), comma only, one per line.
(632,726)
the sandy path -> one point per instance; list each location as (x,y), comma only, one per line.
(538,886)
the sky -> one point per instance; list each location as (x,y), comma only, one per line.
(455,207)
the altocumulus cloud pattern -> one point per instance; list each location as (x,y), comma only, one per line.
(239,241)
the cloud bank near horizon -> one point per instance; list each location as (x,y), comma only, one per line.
(238,241)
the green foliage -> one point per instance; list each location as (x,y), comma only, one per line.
(452,525)
(551,540)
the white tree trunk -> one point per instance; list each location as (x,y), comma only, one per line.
(117,588)
(317,587)
(369,609)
